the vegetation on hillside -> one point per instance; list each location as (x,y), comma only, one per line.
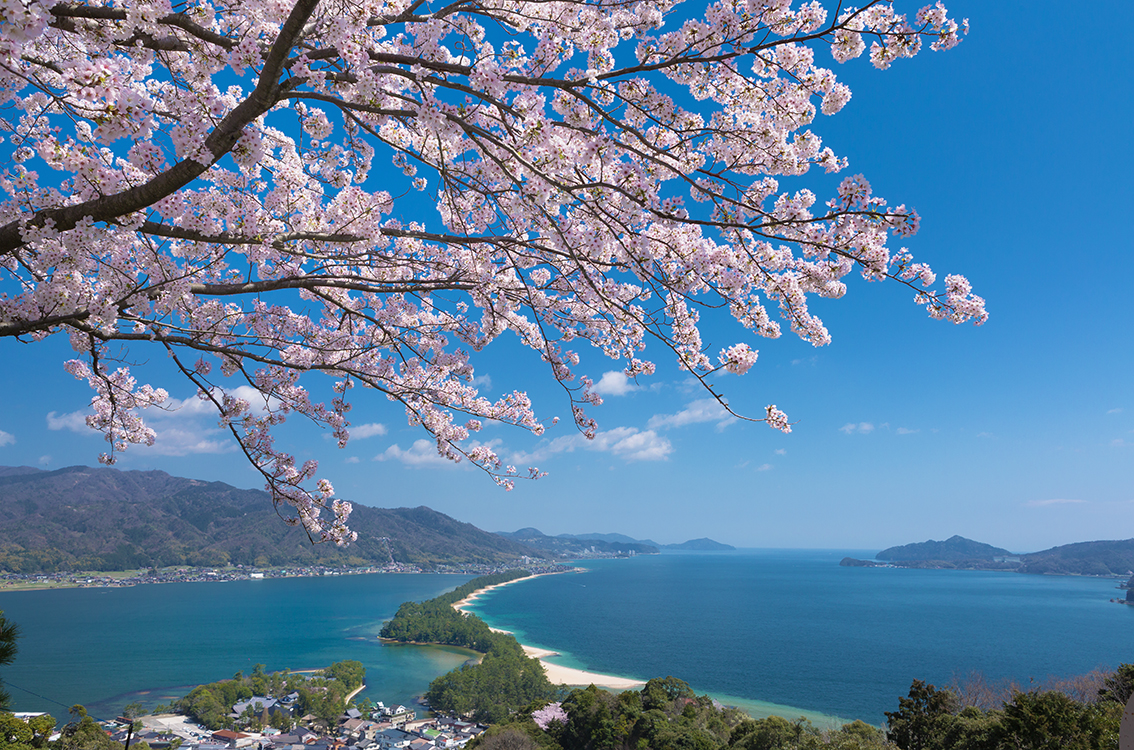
(322,696)
(664,715)
(502,682)
(1080,714)
(953,548)
(1100,558)
(436,621)
(82,518)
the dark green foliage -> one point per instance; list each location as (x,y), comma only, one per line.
(350,673)
(492,690)
(1052,721)
(921,718)
(211,704)
(17,734)
(435,621)
(1119,686)
(1039,720)
(82,518)
(503,682)
(9,632)
(84,733)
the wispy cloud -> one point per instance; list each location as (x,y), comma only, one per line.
(781,451)
(422,454)
(628,443)
(701,410)
(1053,501)
(483,382)
(862,428)
(764,467)
(6,438)
(1114,411)
(351,460)
(614,383)
(75,421)
(44,460)
(363,431)
(182,427)
(906,431)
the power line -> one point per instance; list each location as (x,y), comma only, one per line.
(49,700)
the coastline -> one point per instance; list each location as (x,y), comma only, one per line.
(572,677)
(556,673)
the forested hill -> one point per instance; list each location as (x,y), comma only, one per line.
(1100,558)
(953,548)
(569,546)
(83,518)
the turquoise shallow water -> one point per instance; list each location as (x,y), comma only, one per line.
(791,627)
(100,647)
(786,632)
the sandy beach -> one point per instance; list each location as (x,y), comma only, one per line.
(556,673)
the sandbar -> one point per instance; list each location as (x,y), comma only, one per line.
(556,673)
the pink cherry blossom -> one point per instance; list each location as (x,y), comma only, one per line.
(227,183)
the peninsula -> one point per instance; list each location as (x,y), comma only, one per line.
(1099,558)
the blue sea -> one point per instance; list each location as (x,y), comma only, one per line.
(773,631)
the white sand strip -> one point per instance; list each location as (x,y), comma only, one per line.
(556,673)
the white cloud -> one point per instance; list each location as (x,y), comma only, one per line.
(362,431)
(764,467)
(351,460)
(628,443)
(6,438)
(781,451)
(483,382)
(701,410)
(1053,501)
(182,427)
(193,406)
(184,440)
(422,453)
(614,383)
(44,460)
(906,431)
(75,421)
(1114,411)
(862,428)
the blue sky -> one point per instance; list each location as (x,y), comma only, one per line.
(1015,148)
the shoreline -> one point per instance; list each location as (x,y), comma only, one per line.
(572,677)
(556,673)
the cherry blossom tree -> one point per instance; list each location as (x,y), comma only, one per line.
(228,183)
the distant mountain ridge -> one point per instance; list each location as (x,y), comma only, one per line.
(606,542)
(82,518)
(1098,558)
(570,546)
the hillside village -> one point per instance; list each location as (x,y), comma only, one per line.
(382,728)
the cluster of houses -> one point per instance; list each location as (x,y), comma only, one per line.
(385,728)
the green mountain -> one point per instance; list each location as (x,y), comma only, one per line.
(571,546)
(83,518)
(703,544)
(1101,558)
(953,548)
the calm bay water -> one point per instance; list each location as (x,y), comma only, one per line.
(99,647)
(791,627)
(786,628)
